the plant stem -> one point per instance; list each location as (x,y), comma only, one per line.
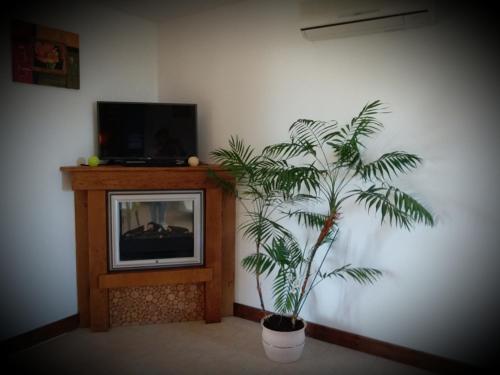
(257,279)
(301,303)
(324,232)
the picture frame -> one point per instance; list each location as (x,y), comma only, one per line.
(45,56)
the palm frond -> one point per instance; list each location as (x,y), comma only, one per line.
(258,263)
(285,296)
(288,257)
(239,159)
(365,124)
(312,132)
(310,219)
(288,150)
(402,209)
(294,179)
(361,275)
(347,143)
(278,176)
(306,137)
(348,153)
(261,229)
(285,251)
(390,165)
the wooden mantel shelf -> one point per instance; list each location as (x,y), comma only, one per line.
(141,278)
(91,185)
(118,177)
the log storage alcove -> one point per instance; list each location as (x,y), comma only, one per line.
(91,185)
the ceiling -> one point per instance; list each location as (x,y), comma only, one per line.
(163,10)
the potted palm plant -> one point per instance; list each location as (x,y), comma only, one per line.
(320,163)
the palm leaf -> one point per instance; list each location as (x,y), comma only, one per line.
(258,263)
(389,165)
(288,150)
(306,136)
(312,132)
(285,251)
(282,292)
(288,256)
(401,209)
(347,143)
(294,179)
(277,175)
(361,275)
(310,219)
(239,159)
(261,229)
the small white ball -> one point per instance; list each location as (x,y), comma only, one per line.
(193,161)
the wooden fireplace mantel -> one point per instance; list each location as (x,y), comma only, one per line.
(91,185)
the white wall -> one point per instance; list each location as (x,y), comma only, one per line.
(252,74)
(43,128)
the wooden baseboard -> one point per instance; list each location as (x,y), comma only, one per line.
(371,346)
(38,335)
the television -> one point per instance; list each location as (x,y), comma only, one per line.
(146,133)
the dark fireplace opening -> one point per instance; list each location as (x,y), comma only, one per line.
(155,241)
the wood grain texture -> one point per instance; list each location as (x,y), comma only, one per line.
(213,254)
(219,222)
(82,257)
(156,304)
(115,177)
(99,312)
(142,278)
(228,256)
(372,346)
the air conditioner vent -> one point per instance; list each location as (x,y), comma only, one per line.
(363,21)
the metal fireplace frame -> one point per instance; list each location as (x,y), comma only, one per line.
(115,198)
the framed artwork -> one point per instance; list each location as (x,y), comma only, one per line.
(45,56)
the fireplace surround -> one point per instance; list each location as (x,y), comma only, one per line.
(94,278)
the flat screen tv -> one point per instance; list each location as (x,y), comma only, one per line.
(146,133)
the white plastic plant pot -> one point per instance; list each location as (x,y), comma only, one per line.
(283,347)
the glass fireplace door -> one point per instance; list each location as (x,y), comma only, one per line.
(155,229)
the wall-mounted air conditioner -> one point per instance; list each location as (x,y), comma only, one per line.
(325,19)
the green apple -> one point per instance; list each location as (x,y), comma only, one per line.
(93,161)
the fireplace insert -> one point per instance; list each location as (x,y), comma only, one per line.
(155,229)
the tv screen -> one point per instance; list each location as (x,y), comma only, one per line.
(155,133)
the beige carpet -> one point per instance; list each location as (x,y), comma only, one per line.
(230,347)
